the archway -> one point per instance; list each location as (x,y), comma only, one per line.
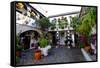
(25,37)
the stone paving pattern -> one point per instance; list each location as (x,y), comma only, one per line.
(56,55)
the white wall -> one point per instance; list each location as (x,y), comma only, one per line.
(22,28)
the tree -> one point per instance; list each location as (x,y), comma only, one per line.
(44,23)
(87,22)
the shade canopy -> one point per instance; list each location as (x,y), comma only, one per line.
(50,10)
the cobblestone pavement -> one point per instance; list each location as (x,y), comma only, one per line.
(56,55)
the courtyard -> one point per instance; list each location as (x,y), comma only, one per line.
(46,36)
(56,55)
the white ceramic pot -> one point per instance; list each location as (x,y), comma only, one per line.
(44,51)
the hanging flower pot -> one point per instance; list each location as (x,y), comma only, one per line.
(33,14)
(20,5)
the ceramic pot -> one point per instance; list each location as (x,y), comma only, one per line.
(37,55)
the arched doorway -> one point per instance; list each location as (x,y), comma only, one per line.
(25,37)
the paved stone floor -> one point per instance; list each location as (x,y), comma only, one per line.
(57,55)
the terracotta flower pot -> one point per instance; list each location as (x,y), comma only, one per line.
(88,48)
(18,53)
(37,55)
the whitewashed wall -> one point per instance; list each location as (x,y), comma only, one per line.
(22,27)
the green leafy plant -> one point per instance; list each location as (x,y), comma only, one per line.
(74,22)
(61,25)
(81,46)
(17,59)
(43,42)
(17,39)
(18,47)
(62,22)
(87,22)
(53,27)
(44,23)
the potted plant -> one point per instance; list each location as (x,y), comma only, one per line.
(84,29)
(74,22)
(53,27)
(62,27)
(20,5)
(65,21)
(17,59)
(44,46)
(81,45)
(62,22)
(37,54)
(18,49)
